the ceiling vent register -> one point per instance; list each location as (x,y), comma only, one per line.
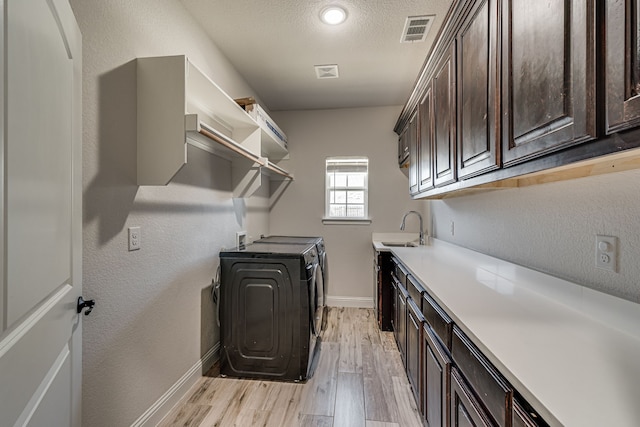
(327,71)
(416,28)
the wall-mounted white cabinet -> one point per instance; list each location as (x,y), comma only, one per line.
(179,105)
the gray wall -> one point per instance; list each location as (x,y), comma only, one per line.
(552,228)
(319,134)
(153,320)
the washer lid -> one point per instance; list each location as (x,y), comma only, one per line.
(271,249)
(289,239)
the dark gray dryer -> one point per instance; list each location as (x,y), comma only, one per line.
(267,310)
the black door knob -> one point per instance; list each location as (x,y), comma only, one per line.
(82,304)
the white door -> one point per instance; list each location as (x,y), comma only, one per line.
(41,214)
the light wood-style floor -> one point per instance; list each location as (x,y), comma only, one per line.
(359,382)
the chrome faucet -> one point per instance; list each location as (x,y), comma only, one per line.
(421,228)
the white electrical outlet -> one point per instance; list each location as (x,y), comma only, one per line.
(135,238)
(606,252)
(241,239)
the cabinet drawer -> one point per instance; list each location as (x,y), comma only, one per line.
(399,271)
(525,416)
(415,311)
(491,389)
(415,291)
(439,321)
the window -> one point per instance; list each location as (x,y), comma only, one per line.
(347,188)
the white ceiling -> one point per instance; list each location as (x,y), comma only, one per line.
(275,44)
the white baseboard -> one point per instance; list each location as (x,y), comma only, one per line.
(359,302)
(177,391)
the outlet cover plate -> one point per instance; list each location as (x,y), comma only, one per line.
(241,239)
(607,252)
(135,238)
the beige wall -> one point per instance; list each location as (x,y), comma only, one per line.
(316,135)
(552,228)
(154,318)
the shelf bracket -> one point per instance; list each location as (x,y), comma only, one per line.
(246,178)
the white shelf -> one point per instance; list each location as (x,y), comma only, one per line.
(179,105)
(208,138)
(274,140)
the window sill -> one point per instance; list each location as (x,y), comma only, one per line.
(346,221)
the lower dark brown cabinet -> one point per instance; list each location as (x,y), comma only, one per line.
(466,411)
(415,320)
(525,416)
(400,328)
(495,394)
(383,292)
(453,382)
(394,310)
(436,374)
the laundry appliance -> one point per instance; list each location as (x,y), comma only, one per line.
(269,310)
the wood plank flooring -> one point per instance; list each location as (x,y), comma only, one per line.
(359,382)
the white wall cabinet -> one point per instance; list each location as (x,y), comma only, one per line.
(179,105)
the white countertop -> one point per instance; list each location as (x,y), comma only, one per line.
(573,353)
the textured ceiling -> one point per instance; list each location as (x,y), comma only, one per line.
(275,44)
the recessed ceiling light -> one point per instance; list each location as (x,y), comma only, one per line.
(333,15)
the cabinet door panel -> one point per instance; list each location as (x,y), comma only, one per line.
(436,370)
(401,322)
(414,161)
(414,344)
(394,309)
(444,121)
(548,76)
(384,292)
(425,142)
(403,149)
(465,409)
(623,64)
(478,149)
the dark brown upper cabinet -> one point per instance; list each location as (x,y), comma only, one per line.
(444,120)
(414,163)
(403,149)
(622,65)
(425,142)
(548,76)
(478,109)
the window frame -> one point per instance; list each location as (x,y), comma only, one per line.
(334,161)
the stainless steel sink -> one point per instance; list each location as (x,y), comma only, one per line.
(400,244)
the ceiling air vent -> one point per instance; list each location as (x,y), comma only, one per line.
(416,28)
(327,71)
